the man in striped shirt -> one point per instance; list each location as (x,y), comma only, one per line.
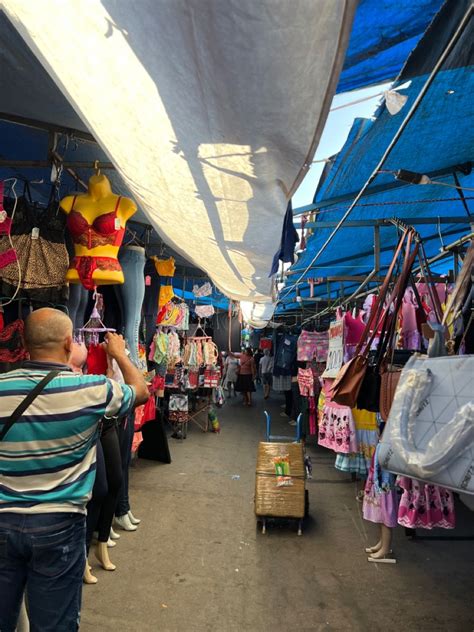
(47,471)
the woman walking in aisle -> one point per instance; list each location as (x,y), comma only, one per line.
(231,373)
(266,370)
(247,374)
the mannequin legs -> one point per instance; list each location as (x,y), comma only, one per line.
(382,550)
(131,294)
(77,304)
(100,509)
(126,432)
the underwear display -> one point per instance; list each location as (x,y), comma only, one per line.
(11,343)
(306,382)
(96,360)
(174,315)
(86,266)
(313,345)
(203,290)
(204,311)
(39,251)
(105,230)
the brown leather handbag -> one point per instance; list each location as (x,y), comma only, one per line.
(348,382)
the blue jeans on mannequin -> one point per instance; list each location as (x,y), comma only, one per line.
(130,295)
(77,304)
(43,554)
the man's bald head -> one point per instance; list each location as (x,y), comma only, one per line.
(48,332)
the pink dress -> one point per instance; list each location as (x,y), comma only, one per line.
(424,506)
(380,497)
(337,429)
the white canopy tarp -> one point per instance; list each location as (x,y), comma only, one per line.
(209,109)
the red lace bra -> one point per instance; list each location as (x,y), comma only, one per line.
(102,232)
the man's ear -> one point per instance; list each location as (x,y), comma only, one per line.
(68,344)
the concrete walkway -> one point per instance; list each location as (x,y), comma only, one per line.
(197,562)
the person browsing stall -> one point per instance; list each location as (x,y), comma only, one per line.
(47,469)
(247,373)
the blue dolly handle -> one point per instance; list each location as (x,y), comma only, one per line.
(270,437)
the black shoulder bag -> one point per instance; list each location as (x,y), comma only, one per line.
(29,399)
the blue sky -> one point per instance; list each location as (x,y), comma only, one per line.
(337,127)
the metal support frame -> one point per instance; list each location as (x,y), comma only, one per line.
(412,221)
(46,164)
(380,188)
(447,251)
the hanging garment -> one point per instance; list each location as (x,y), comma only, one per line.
(380,504)
(337,429)
(96,360)
(289,239)
(204,311)
(313,345)
(203,290)
(11,343)
(424,506)
(38,240)
(306,382)
(367,436)
(166,269)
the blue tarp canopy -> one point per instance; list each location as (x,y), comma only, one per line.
(438,141)
(383,34)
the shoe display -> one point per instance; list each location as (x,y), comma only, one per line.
(111,543)
(133,520)
(123,522)
(114,535)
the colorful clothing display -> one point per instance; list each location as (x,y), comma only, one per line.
(380,504)
(174,315)
(313,345)
(367,437)
(306,382)
(337,429)
(166,269)
(424,506)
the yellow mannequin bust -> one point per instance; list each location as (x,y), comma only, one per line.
(96,221)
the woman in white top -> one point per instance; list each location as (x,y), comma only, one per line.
(231,366)
(266,370)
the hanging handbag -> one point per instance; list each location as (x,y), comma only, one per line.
(348,382)
(391,369)
(373,384)
(430,431)
(29,399)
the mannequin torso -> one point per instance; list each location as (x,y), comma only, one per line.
(96,221)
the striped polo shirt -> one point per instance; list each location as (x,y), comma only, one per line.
(48,457)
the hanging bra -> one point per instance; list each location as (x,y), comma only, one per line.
(102,232)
